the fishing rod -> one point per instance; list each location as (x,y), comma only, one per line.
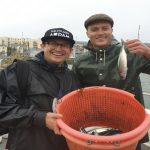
(139,32)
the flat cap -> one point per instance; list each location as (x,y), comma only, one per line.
(97,18)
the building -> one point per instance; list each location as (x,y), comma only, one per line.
(78,48)
(28,42)
(3,49)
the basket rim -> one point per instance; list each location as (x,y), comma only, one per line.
(115,90)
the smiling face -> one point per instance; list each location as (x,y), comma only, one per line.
(100,34)
(56,51)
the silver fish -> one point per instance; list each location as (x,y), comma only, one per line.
(122,62)
(100,130)
(54,104)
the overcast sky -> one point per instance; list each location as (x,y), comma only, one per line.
(31,18)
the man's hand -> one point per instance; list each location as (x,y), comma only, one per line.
(137,47)
(50,121)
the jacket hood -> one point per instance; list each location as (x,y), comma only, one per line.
(90,47)
(39,58)
(99,51)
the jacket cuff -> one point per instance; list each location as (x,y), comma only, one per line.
(39,118)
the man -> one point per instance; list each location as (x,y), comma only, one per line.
(99,66)
(32,123)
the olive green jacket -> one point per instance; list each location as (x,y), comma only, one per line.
(100,67)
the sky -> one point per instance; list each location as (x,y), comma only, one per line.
(32,18)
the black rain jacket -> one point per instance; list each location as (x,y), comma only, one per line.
(27,130)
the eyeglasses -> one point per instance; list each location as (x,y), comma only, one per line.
(55,44)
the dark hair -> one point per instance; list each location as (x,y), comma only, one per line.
(47,41)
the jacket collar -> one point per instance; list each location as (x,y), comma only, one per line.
(90,47)
(39,58)
(101,52)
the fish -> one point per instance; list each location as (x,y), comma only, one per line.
(54,104)
(100,130)
(122,62)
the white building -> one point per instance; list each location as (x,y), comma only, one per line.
(9,41)
(3,49)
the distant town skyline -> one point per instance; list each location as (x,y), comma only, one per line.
(31,18)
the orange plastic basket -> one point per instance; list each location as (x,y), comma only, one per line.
(102,106)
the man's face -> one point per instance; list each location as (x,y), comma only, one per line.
(56,51)
(100,34)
